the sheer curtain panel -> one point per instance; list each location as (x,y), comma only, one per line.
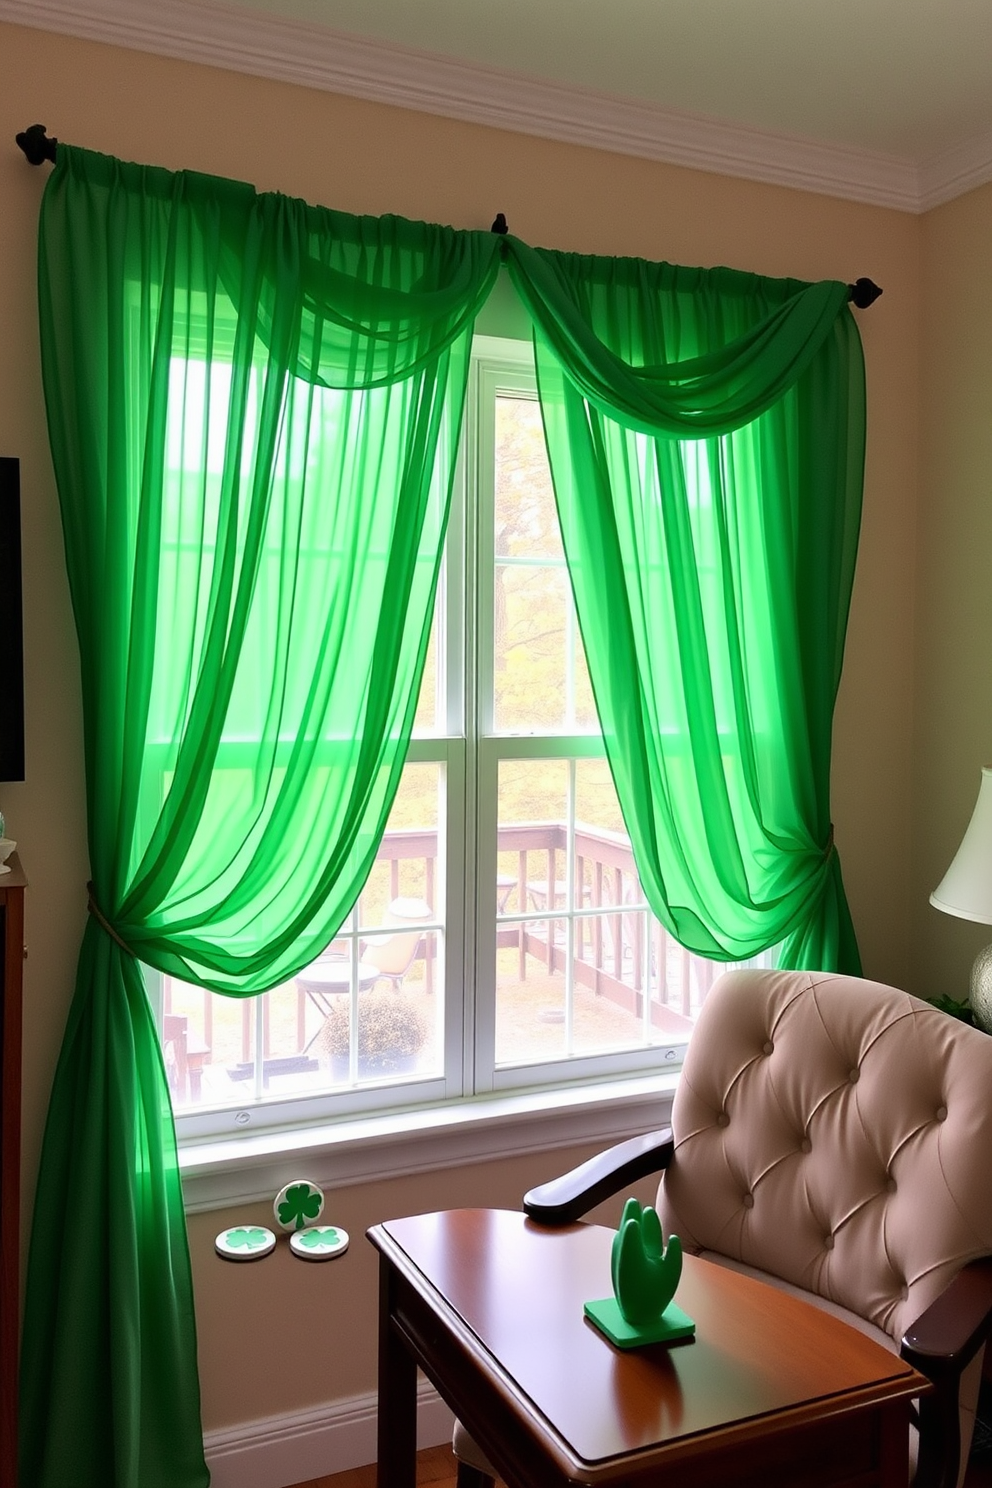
(706,432)
(254,409)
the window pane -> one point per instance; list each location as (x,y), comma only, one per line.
(603,974)
(406,865)
(540,677)
(530,993)
(531,642)
(531,814)
(392,1027)
(304,1034)
(526,518)
(429,718)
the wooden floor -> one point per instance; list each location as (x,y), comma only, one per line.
(436,1466)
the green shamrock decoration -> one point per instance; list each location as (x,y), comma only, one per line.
(317,1237)
(645,1271)
(301,1203)
(250,1238)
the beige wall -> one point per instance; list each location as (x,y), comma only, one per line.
(954,616)
(364,158)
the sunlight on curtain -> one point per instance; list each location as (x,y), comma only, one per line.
(712,576)
(254,407)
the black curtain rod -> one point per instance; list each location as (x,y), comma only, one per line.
(38,147)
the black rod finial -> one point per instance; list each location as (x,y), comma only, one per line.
(499,226)
(862,293)
(36,144)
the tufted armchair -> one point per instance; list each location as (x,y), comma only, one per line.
(833,1137)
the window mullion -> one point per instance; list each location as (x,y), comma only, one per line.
(480,555)
(570,922)
(258,1073)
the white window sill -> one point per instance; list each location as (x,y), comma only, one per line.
(236,1170)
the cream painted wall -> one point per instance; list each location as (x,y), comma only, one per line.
(954,682)
(366,158)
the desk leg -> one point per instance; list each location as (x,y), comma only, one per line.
(397,1419)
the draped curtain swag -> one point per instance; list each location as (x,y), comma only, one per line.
(254,408)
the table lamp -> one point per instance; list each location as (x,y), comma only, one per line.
(966,891)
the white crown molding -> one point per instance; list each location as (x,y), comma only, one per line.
(955,171)
(312,56)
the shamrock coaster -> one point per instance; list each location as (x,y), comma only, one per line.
(245,1243)
(298,1204)
(318,1243)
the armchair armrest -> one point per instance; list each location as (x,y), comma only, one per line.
(946,1337)
(941,1344)
(575,1193)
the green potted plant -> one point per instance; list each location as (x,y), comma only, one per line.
(392,1030)
(956,1009)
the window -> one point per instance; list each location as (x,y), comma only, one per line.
(501,940)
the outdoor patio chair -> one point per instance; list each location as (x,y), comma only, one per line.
(830,1136)
(393,955)
(385,958)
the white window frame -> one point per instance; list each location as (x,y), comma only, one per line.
(506,367)
(475,1109)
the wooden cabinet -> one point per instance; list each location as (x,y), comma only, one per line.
(12,886)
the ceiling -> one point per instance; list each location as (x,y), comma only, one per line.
(899,77)
(883,100)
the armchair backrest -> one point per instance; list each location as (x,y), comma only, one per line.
(836,1133)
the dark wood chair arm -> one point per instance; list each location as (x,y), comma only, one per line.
(940,1344)
(945,1338)
(567,1198)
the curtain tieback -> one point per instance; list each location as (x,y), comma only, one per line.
(828,851)
(102,920)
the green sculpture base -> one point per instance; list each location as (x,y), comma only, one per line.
(674,1325)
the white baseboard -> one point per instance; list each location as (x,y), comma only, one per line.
(300,1445)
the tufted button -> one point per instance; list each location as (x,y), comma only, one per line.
(941,1113)
(854,1076)
(767,1047)
(748,1201)
(890,1184)
(904,1292)
(828,1242)
(723,1119)
(805,1145)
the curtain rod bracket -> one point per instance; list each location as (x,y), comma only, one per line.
(499,226)
(862,293)
(36,144)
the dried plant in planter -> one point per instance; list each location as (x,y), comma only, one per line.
(392,1030)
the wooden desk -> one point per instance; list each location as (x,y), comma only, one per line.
(11,963)
(489,1305)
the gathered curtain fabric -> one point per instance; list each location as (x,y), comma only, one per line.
(254,408)
(254,411)
(712,575)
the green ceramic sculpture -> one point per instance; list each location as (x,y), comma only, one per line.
(645,1275)
(645,1271)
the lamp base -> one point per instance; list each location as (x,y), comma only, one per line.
(981,989)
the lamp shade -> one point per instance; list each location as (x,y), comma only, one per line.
(966,888)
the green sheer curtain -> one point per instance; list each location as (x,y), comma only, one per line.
(254,407)
(706,434)
(254,410)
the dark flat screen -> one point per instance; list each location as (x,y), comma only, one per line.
(11,632)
